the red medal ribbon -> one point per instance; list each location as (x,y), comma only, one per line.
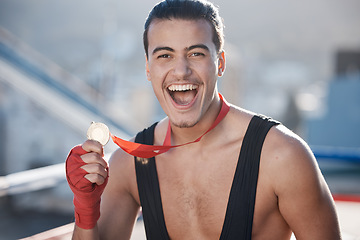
(149,151)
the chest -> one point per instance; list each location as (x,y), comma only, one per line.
(195,188)
(198,177)
(195,185)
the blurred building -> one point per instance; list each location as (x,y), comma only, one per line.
(339,124)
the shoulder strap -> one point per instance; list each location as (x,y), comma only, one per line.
(240,210)
(149,190)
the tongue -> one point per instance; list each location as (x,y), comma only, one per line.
(183,97)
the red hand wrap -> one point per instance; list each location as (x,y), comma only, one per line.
(87,195)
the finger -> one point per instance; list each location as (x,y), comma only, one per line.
(94,158)
(95,178)
(93,146)
(95,169)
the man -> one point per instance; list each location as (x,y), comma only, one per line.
(247,178)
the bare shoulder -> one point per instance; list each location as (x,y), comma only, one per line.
(287,139)
(280,144)
(237,121)
(120,159)
(304,199)
(284,154)
(290,158)
(289,153)
(281,136)
(122,175)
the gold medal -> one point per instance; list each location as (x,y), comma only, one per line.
(98,132)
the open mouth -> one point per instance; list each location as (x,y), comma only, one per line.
(183,94)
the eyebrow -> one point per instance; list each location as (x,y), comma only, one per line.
(202,46)
(162,49)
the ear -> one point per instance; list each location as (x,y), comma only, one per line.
(221,64)
(147,69)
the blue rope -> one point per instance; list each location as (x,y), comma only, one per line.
(338,153)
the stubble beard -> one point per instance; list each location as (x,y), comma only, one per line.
(185,124)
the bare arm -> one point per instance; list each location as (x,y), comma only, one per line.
(304,198)
(90,234)
(119,208)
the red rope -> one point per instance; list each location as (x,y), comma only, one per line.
(346,198)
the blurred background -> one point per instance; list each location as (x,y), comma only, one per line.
(66,63)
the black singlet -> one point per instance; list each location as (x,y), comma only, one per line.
(240,209)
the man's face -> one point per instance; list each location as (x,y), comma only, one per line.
(183,66)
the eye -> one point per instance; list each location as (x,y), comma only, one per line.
(164,56)
(197,54)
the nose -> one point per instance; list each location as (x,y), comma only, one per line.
(181,69)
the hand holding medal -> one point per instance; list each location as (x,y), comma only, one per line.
(84,180)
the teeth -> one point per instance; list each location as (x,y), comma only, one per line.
(185,87)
